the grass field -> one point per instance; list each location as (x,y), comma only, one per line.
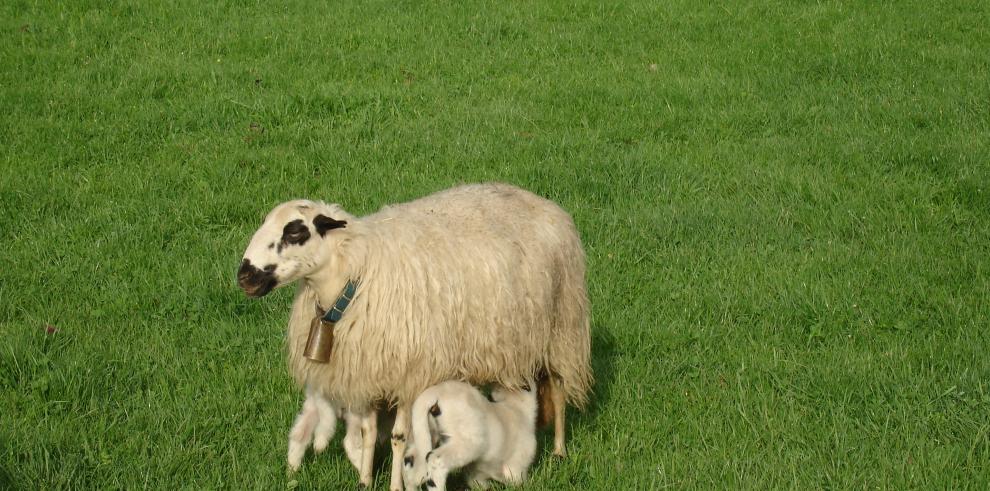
(785,207)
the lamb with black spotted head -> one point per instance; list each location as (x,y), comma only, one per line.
(454,427)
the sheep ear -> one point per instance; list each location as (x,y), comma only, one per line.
(325,224)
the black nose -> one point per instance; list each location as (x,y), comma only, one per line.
(256,282)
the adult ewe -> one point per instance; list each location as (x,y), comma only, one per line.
(481,283)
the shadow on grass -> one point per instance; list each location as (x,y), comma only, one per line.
(7,480)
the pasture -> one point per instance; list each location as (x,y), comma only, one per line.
(785,208)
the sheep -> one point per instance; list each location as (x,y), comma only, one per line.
(455,427)
(482,283)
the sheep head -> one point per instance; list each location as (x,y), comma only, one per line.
(295,240)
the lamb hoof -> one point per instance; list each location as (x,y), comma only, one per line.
(559,456)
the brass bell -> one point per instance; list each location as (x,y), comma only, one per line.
(320,341)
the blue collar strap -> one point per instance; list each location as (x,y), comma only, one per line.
(337,311)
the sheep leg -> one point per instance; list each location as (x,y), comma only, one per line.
(436,473)
(400,431)
(352,439)
(369,435)
(327,425)
(513,473)
(478,480)
(455,454)
(302,433)
(559,408)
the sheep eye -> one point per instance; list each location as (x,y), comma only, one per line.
(295,233)
(296,238)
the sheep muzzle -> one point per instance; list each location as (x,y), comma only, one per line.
(256,282)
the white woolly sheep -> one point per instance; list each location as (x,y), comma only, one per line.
(482,283)
(454,427)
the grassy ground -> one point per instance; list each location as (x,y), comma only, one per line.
(785,206)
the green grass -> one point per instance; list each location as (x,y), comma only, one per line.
(785,208)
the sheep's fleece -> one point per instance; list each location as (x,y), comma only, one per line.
(483,283)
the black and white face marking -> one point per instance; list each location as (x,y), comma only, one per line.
(256,282)
(294,233)
(286,246)
(325,224)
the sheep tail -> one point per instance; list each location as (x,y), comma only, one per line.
(570,353)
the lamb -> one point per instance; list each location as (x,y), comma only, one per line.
(454,427)
(316,423)
(481,283)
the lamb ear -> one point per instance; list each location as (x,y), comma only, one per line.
(325,224)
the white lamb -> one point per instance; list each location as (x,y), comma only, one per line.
(455,427)
(316,424)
